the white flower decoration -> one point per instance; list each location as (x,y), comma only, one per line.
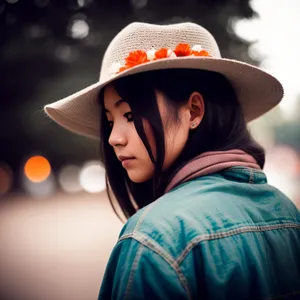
(151,54)
(197,48)
(114,68)
(171,54)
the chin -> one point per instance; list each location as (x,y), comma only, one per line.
(139,178)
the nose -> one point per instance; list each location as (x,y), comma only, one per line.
(117,137)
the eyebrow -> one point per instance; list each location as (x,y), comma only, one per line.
(117,104)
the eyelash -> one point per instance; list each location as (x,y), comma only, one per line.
(110,123)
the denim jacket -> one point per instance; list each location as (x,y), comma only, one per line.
(227,235)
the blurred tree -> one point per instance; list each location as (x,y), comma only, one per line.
(52,48)
(288,132)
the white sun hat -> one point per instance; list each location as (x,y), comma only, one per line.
(141,47)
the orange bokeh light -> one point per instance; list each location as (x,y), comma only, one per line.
(37,169)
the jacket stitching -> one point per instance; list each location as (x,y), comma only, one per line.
(150,243)
(244,170)
(257,173)
(134,267)
(142,216)
(219,235)
(142,238)
(154,246)
(251,177)
(126,236)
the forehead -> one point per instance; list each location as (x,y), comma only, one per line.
(110,96)
(112,100)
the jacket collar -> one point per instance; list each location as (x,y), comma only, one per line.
(212,162)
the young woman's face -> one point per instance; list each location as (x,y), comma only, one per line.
(127,144)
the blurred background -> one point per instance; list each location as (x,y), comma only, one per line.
(56,224)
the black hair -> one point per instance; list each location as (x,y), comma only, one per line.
(223,127)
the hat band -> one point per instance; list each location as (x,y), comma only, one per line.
(139,57)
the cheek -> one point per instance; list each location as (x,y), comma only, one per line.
(143,168)
(141,172)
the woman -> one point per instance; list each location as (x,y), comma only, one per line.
(202,221)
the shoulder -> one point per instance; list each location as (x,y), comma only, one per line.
(172,221)
(209,205)
(172,204)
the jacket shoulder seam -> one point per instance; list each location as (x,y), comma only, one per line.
(155,247)
(141,218)
(134,267)
(236,231)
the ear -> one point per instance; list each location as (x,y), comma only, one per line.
(196,109)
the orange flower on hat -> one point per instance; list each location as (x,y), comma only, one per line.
(183,50)
(135,58)
(200,53)
(161,53)
(122,69)
(138,57)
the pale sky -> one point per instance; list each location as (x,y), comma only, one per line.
(277,36)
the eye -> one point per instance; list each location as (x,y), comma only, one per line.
(129,116)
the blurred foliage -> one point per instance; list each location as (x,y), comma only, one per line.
(42,62)
(289,134)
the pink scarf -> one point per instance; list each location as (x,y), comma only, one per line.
(212,162)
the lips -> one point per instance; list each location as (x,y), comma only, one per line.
(126,161)
(124,158)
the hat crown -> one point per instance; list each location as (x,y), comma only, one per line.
(144,36)
(256,90)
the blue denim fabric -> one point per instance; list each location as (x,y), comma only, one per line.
(227,235)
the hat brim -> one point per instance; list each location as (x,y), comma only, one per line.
(256,90)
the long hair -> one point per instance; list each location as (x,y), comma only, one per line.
(223,127)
